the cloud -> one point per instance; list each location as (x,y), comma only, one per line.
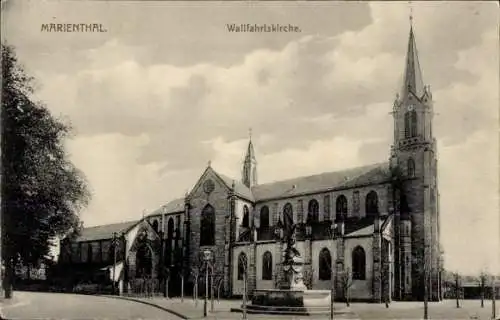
(469,203)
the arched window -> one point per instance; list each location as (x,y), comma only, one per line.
(288,216)
(411,124)
(89,252)
(358,263)
(267,266)
(411,167)
(242,265)
(144,261)
(207,226)
(325,264)
(407,125)
(413,129)
(313,211)
(155,225)
(341,207)
(170,228)
(246,219)
(264,217)
(371,204)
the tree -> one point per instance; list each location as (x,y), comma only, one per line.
(493,297)
(42,191)
(457,287)
(195,274)
(483,277)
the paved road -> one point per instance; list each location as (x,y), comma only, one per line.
(31,305)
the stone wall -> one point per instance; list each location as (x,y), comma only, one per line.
(218,200)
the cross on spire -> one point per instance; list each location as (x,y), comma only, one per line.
(250,133)
(411,14)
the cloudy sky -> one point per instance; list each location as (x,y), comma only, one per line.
(167,88)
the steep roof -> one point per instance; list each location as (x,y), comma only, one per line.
(104,231)
(174,206)
(413,75)
(239,188)
(250,155)
(349,178)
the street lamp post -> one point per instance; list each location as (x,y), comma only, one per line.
(207,257)
(206,290)
(114,241)
(212,289)
(494,297)
(332,290)
(244,264)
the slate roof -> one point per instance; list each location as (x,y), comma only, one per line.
(174,206)
(239,188)
(349,178)
(413,74)
(104,231)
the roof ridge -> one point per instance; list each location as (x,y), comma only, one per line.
(322,173)
(112,224)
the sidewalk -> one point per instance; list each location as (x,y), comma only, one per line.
(5,303)
(189,309)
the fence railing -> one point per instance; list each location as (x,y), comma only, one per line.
(144,288)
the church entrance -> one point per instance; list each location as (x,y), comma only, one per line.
(144,279)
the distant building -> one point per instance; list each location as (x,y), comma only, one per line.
(471,289)
(383,245)
(91,256)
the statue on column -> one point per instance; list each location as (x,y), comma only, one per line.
(293,263)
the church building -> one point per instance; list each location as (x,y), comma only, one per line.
(372,232)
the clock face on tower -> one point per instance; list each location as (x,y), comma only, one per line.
(411,107)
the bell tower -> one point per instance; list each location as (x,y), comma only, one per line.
(414,152)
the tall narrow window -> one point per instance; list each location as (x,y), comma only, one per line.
(89,253)
(411,168)
(313,211)
(144,261)
(155,226)
(264,217)
(407,125)
(242,265)
(178,222)
(170,228)
(246,217)
(111,251)
(325,265)
(341,207)
(358,263)
(413,128)
(207,226)
(326,203)
(288,217)
(411,121)
(355,202)
(371,204)
(267,266)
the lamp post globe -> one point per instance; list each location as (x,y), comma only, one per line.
(207,258)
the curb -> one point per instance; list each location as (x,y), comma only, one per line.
(149,304)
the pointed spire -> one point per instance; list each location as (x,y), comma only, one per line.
(250,164)
(250,155)
(412,81)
